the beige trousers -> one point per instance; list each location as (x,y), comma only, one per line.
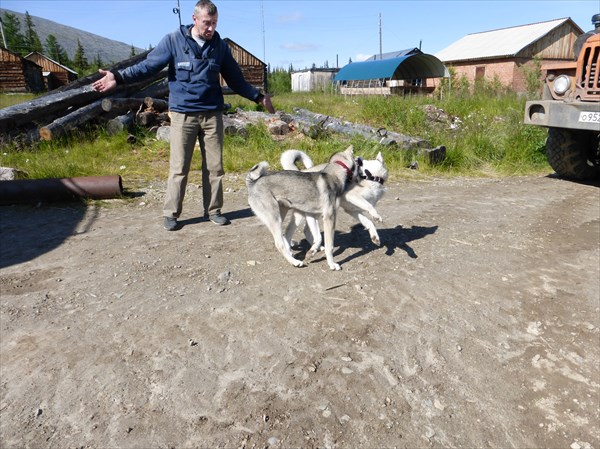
(207,127)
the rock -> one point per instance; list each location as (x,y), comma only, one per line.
(10,174)
(224,277)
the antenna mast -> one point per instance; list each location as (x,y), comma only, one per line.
(380,46)
(262,16)
(178,12)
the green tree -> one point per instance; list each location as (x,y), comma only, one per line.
(55,51)
(80,61)
(132,52)
(533,77)
(97,63)
(32,40)
(279,81)
(15,41)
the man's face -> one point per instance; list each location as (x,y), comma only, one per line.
(205,24)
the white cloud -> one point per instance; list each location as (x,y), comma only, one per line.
(293,17)
(361,57)
(299,47)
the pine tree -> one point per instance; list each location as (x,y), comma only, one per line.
(132,52)
(15,41)
(80,61)
(55,51)
(97,63)
(32,40)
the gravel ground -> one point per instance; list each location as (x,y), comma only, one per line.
(475,324)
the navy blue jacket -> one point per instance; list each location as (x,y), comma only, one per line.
(194,83)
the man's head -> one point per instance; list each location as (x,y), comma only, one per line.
(205,19)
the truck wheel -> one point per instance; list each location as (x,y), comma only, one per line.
(570,153)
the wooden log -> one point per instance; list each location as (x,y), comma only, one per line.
(71,121)
(380,135)
(30,111)
(163,117)
(159,89)
(121,105)
(145,118)
(156,104)
(22,114)
(120,123)
(235,127)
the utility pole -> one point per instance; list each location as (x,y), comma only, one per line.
(380,45)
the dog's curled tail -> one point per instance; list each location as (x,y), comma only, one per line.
(257,171)
(289,158)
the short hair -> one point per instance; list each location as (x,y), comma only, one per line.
(206,5)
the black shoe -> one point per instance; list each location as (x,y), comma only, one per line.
(219,219)
(170,224)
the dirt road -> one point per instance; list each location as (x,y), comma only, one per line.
(476,324)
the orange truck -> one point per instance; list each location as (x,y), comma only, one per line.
(570,109)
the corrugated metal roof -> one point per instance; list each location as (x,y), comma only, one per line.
(498,43)
(403,68)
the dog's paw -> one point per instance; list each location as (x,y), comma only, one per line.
(335,267)
(378,218)
(375,239)
(298,263)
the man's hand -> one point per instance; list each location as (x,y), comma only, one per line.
(266,102)
(106,83)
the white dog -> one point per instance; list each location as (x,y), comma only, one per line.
(372,174)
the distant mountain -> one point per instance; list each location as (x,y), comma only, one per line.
(109,51)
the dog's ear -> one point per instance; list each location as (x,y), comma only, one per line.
(379,157)
(350,151)
(359,161)
(368,173)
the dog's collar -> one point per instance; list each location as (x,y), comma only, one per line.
(349,174)
(369,177)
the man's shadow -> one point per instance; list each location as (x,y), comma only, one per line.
(232,215)
(391,239)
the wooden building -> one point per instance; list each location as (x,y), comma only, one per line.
(55,74)
(506,54)
(253,69)
(18,74)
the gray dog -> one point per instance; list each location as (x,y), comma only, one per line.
(313,195)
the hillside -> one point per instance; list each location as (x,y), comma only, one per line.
(108,49)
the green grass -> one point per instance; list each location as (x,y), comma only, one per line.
(491,140)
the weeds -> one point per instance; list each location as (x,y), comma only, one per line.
(483,134)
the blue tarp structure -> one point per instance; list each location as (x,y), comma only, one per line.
(409,67)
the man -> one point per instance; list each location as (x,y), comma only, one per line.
(196,55)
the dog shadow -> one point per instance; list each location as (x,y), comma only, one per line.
(392,239)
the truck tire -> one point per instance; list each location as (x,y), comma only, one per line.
(570,153)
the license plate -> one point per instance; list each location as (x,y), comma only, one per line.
(589,117)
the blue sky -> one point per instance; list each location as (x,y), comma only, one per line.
(301,33)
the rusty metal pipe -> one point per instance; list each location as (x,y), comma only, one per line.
(60,189)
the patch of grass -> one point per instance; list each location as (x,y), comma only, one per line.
(11,99)
(488,139)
